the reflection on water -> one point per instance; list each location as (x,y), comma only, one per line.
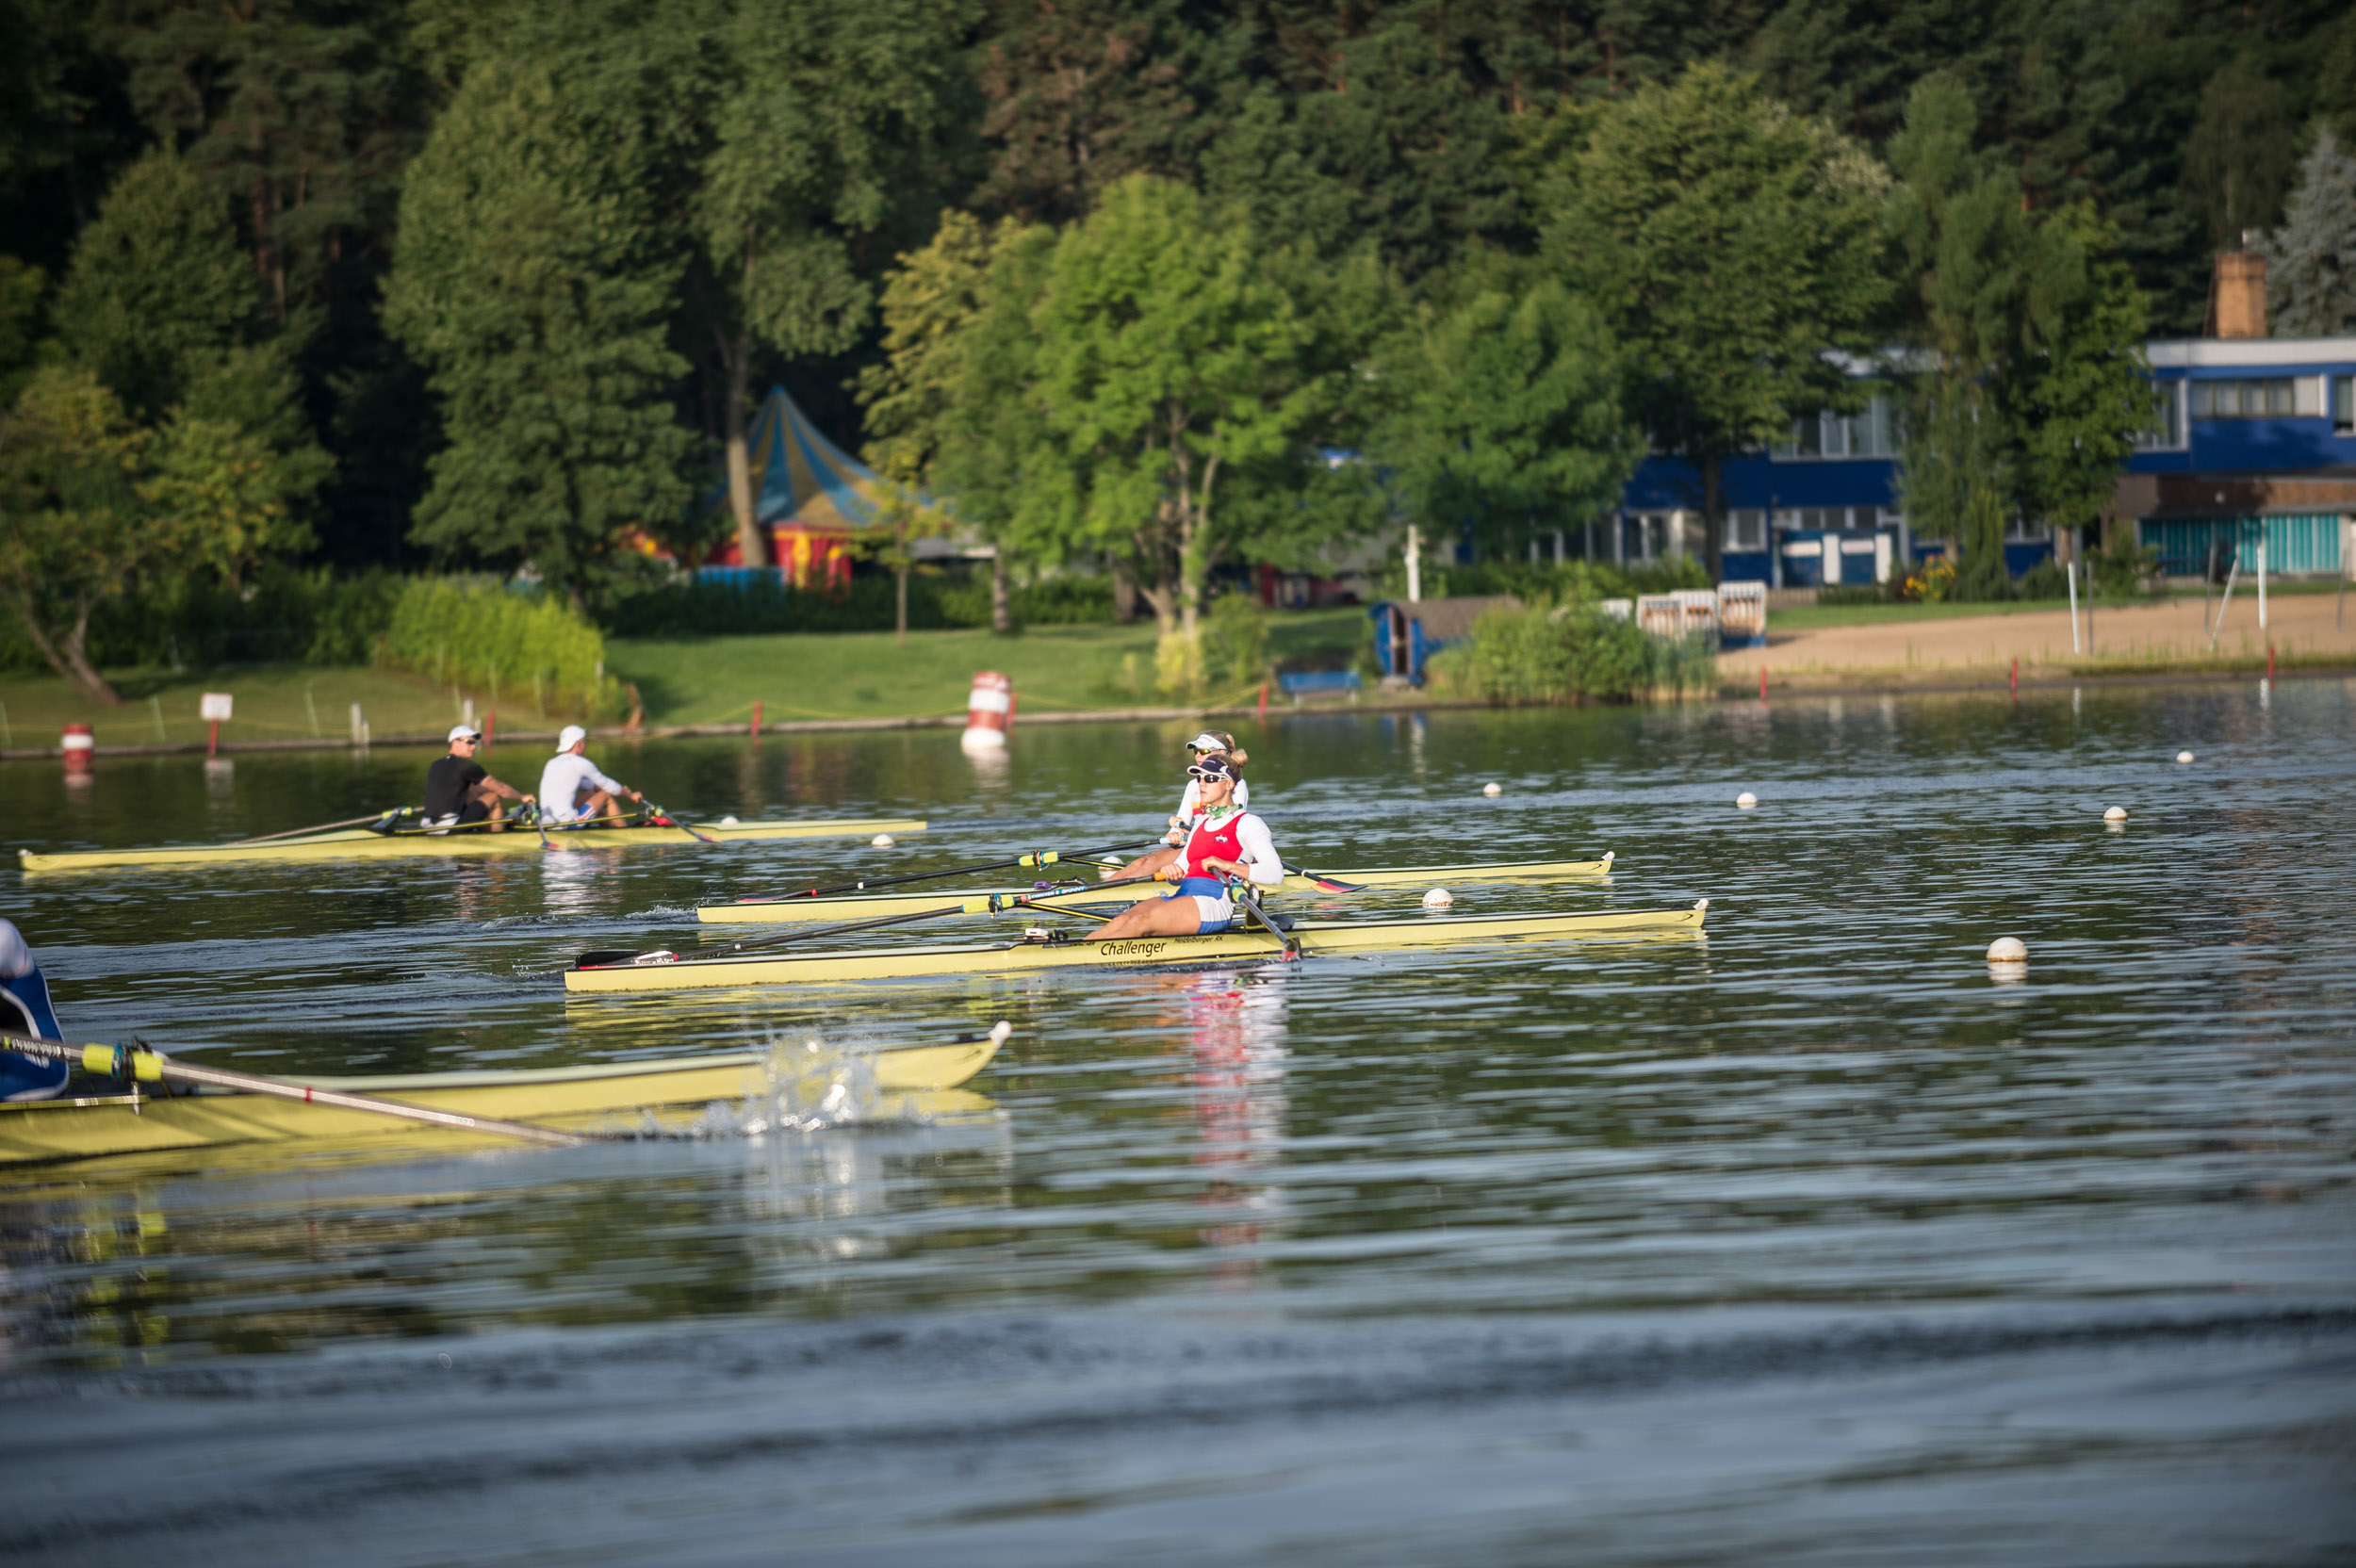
(1817,1241)
(1236,1026)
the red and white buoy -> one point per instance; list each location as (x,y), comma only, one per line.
(75,744)
(989,712)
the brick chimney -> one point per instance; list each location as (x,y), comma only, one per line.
(2237,296)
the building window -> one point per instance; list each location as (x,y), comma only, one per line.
(2167,430)
(1871,432)
(1746,530)
(2273,397)
(2026,531)
(2344,405)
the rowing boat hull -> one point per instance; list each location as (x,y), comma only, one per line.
(82,1129)
(358,844)
(850,906)
(1320,938)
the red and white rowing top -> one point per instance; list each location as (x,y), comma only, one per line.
(1233,835)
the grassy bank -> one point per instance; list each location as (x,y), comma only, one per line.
(1811,617)
(274,702)
(702,681)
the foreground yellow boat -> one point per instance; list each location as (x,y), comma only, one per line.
(847,906)
(1058,950)
(575,1097)
(360,843)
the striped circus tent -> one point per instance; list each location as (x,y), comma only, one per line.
(813,498)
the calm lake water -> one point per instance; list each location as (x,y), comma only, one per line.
(1810,1242)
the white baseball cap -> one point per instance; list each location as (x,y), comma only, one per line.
(465,733)
(569,737)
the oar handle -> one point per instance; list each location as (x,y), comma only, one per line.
(140,1064)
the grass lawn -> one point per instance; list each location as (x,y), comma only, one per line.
(863,674)
(275,702)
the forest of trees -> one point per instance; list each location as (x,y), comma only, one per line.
(482,283)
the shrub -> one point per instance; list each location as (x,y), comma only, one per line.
(1853,593)
(2123,568)
(1566,653)
(2043,581)
(1234,640)
(508,642)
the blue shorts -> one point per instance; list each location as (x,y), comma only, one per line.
(1215,909)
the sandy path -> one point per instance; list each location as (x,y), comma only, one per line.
(2299,622)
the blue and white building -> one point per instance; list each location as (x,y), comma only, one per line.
(2257,440)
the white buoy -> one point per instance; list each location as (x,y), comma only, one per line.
(2008,950)
(1744,801)
(2116,813)
(1493,788)
(881,840)
(2183,757)
(728,822)
(1439,898)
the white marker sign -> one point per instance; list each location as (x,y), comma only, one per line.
(213,705)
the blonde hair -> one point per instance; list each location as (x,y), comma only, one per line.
(1228,749)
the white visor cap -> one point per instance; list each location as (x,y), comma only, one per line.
(569,737)
(1207,741)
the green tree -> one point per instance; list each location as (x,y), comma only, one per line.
(224,491)
(2311,260)
(2239,155)
(1077,96)
(2027,383)
(1733,247)
(827,113)
(1172,356)
(23,292)
(2080,391)
(158,292)
(74,532)
(297,114)
(535,282)
(929,400)
(1506,415)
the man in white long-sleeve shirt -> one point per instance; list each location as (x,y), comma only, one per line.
(1225,841)
(572,789)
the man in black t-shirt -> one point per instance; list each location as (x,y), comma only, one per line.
(458,789)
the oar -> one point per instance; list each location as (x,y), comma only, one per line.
(649,810)
(1021,863)
(140,1062)
(1239,889)
(298,832)
(1326,884)
(989,904)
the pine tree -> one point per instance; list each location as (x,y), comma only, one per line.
(2311,260)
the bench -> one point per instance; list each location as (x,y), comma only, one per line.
(1318,683)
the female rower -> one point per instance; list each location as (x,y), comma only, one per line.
(1225,841)
(1211,742)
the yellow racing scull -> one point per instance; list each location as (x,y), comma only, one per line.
(665,971)
(361,843)
(841,906)
(917,1078)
